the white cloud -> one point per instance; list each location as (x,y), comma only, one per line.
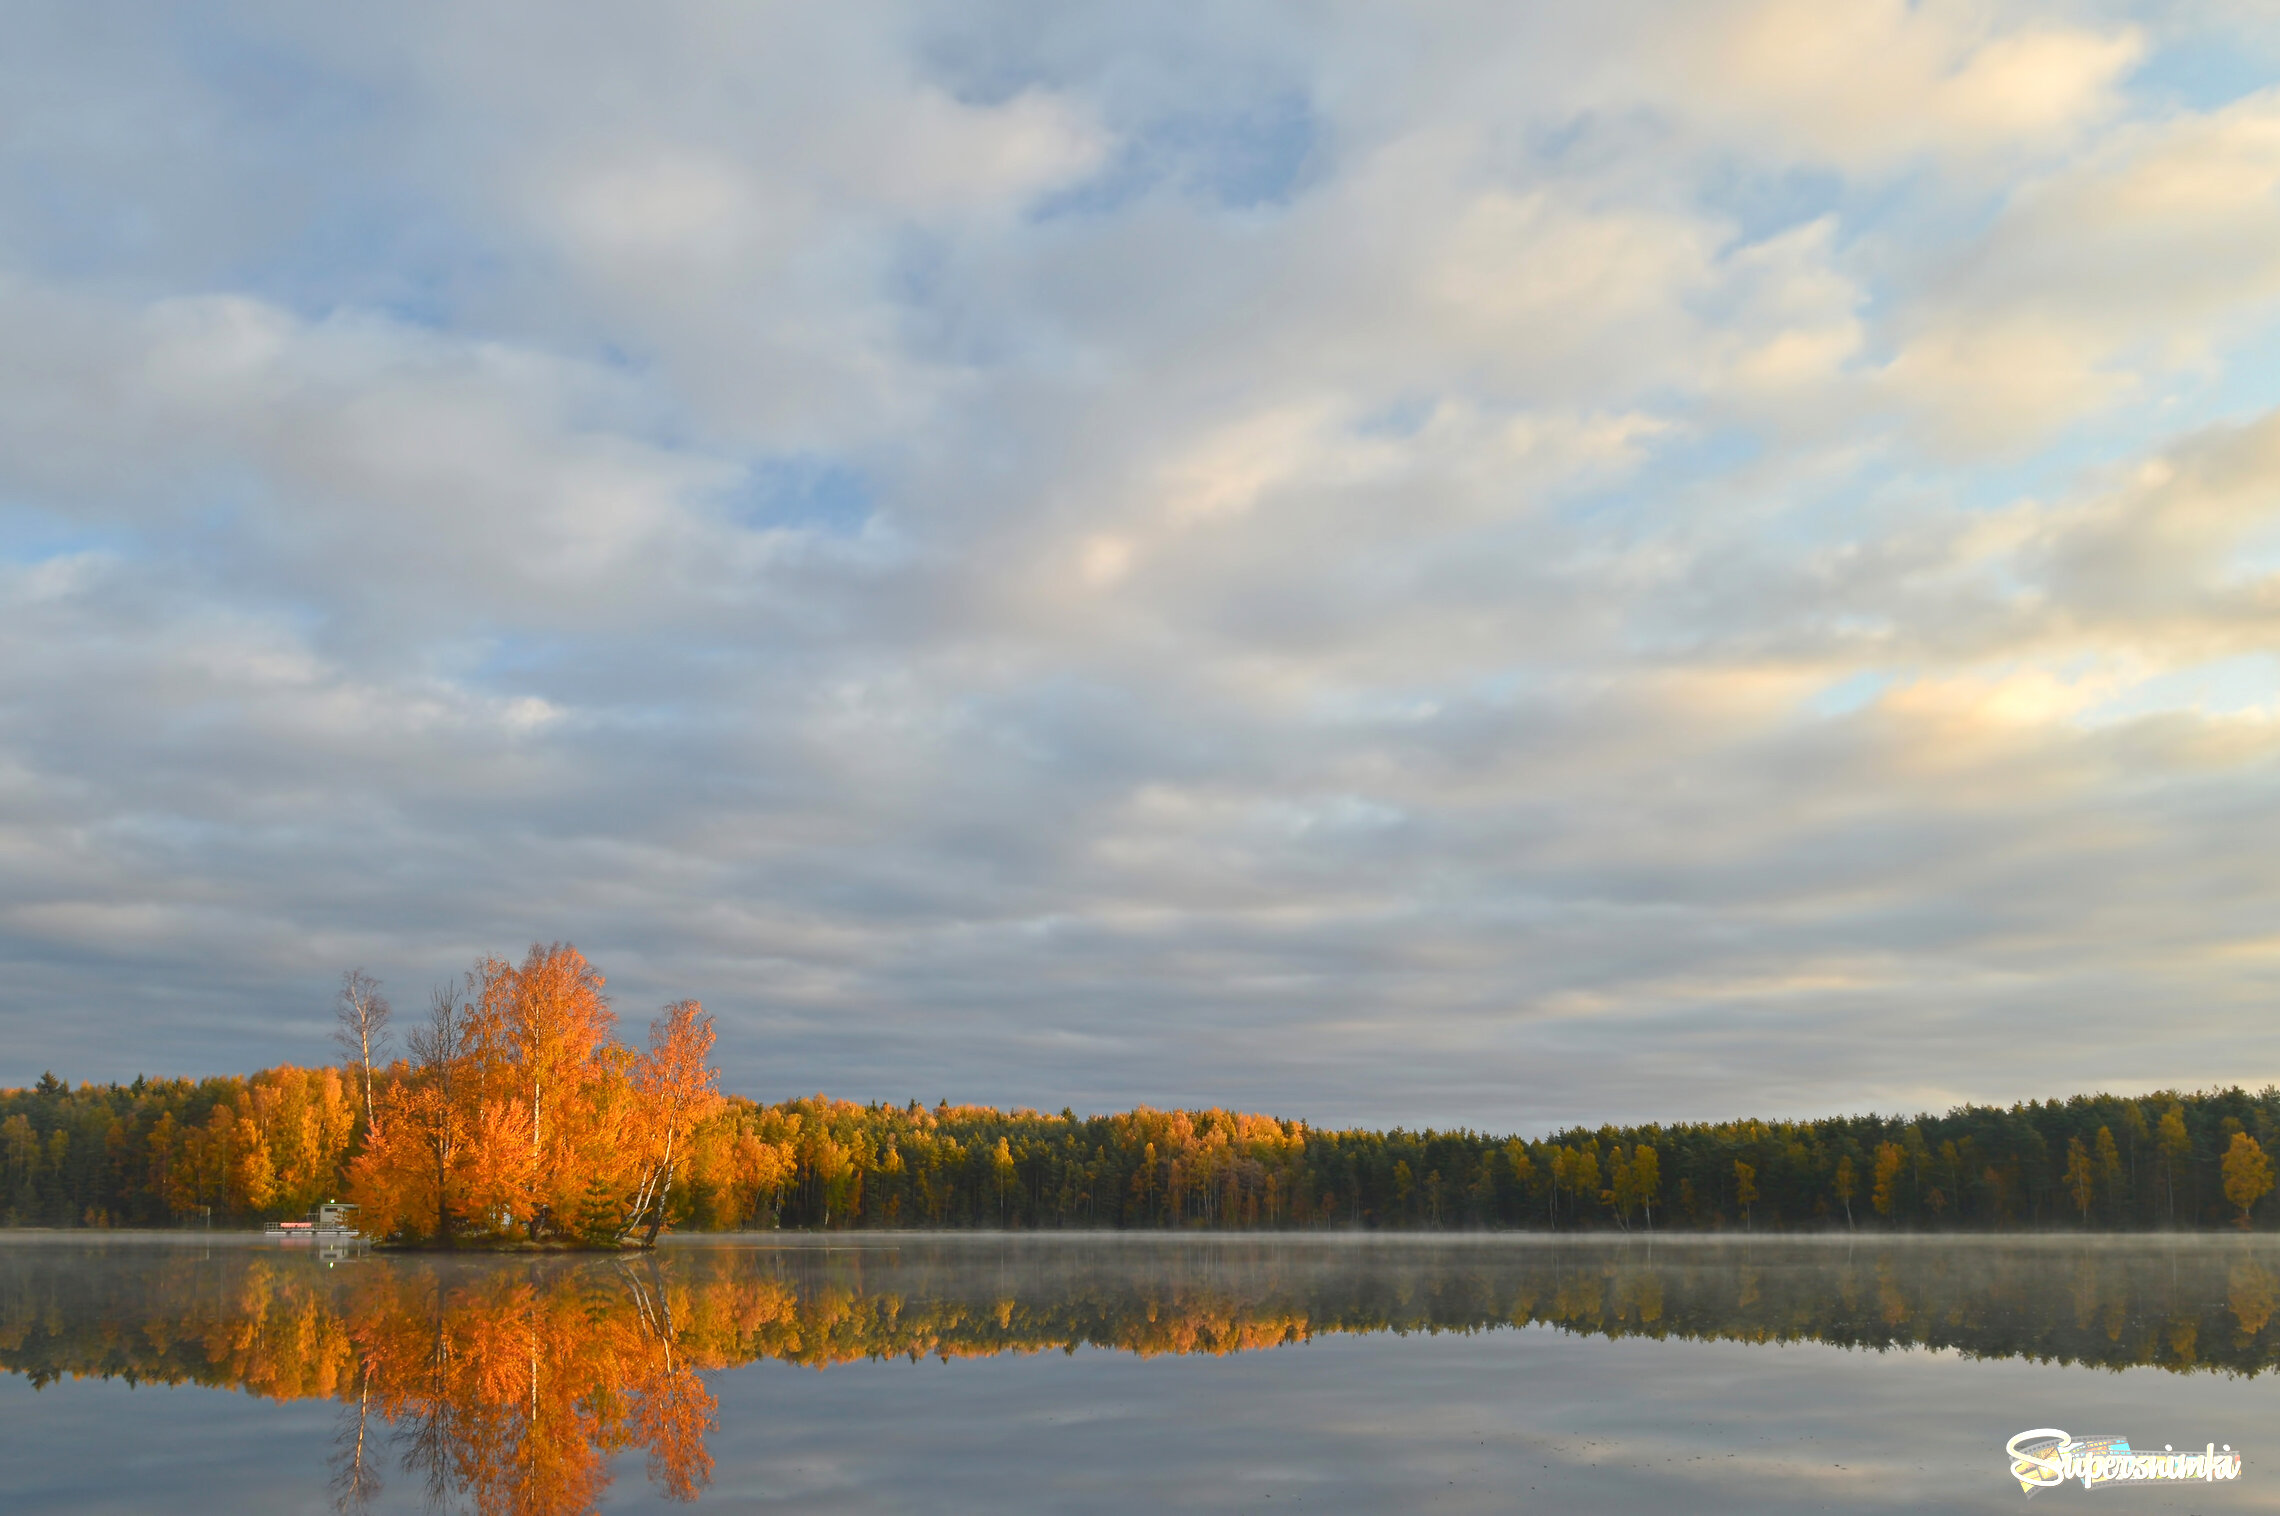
(2150,256)
(1369,563)
(1866,84)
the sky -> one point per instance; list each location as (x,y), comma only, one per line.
(1441,564)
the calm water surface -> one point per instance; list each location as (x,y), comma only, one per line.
(900,1373)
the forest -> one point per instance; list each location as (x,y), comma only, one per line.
(515,1114)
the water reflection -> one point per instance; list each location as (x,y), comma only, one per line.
(515,1384)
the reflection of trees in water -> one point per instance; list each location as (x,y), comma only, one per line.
(508,1386)
(513,1384)
(516,1388)
(355,1471)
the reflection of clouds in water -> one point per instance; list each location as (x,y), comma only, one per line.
(1488,1422)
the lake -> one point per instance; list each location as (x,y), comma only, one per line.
(897,1372)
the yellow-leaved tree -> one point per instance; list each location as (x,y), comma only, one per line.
(2247,1174)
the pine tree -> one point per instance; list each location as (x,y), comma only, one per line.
(601,1213)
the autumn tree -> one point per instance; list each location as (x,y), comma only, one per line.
(1619,1196)
(1586,1164)
(2176,1145)
(1516,1159)
(1845,1185)
(2247,1174)
(678,1089)
(2080,1177)
(520,1110)
(1003,1177)
(362,1014)
(1885,1177)
(408,1173)
(1745,1188)
(558,1024)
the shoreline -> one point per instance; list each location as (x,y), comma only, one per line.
(879,1238)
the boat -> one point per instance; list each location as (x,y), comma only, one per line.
(331,1223)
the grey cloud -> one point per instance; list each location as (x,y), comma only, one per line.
(1081,557)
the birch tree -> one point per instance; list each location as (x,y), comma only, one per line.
(679,1088)
(361,1013)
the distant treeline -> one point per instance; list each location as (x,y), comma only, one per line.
(235,1151)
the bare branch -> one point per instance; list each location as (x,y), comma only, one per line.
(362,1013)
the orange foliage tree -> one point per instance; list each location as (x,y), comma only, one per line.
(680,1090)
(520,1113)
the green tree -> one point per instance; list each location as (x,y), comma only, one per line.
(2109,1168)
(1919,1159)
(2136,1138)
(600,1215)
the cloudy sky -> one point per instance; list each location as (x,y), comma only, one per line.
(1447,563)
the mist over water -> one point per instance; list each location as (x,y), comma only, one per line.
(1138,1373)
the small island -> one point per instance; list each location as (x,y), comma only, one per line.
(520,1122)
